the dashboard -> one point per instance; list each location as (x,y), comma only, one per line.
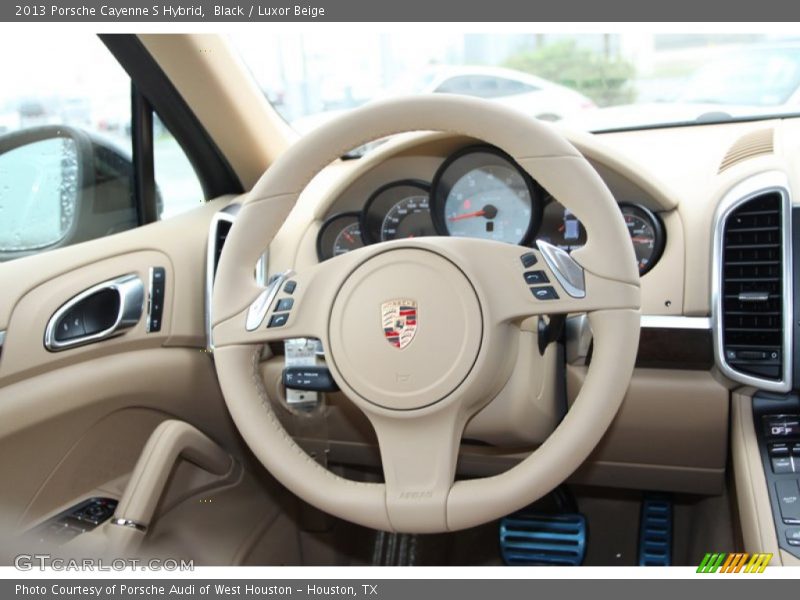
(477,191)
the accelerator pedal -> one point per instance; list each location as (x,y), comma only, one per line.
(655,532)
(529,538)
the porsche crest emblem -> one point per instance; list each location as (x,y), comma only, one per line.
(399,320)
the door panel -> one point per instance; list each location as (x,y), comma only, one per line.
(74,421)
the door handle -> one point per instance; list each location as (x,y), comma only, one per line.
(98,313)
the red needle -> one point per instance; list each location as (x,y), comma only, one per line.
(640,239)
(347,236)
(477,213)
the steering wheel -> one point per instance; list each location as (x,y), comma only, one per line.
(421,334)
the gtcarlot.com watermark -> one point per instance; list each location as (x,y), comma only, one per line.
(41,562)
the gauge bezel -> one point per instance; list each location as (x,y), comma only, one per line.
(366,235)
(327,223)
(658,229)
(441,186)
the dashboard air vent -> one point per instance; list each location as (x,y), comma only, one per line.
(753,295)
(219,229)
(223,227)
(748,146)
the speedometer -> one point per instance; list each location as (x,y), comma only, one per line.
(410,217)
(398,210)
(481,192)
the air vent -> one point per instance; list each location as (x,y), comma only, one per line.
(220,235)
(752,287)
(753,297)
(748,146)
(221,224)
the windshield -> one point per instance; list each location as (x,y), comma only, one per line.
(589,81)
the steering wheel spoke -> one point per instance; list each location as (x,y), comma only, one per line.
(419,454)
(289,307)
(525,282)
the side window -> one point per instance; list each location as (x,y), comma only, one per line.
(66,168)
(65,144)
(177,186)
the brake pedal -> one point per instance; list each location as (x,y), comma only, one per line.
(655,532)
(528,538)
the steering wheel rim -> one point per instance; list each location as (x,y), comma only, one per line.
(419,427)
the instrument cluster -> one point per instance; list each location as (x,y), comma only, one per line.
(478,192)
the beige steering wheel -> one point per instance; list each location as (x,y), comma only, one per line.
(470,297)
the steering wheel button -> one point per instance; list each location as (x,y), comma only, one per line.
(278,320)
(289,287)
(546,292)
(536,277)
(528,259)
(284,304)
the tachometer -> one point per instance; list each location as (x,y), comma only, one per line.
(339,234)
(481,192)
(398,210)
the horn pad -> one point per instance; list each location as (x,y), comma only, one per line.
(405,329)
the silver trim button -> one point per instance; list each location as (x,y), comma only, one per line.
(568,272)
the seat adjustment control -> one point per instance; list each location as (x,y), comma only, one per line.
(310,379)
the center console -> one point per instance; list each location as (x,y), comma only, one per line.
(777,425)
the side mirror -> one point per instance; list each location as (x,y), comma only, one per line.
(58,186)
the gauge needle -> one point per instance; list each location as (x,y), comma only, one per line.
(347,236)
(477,213)
(488,211)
